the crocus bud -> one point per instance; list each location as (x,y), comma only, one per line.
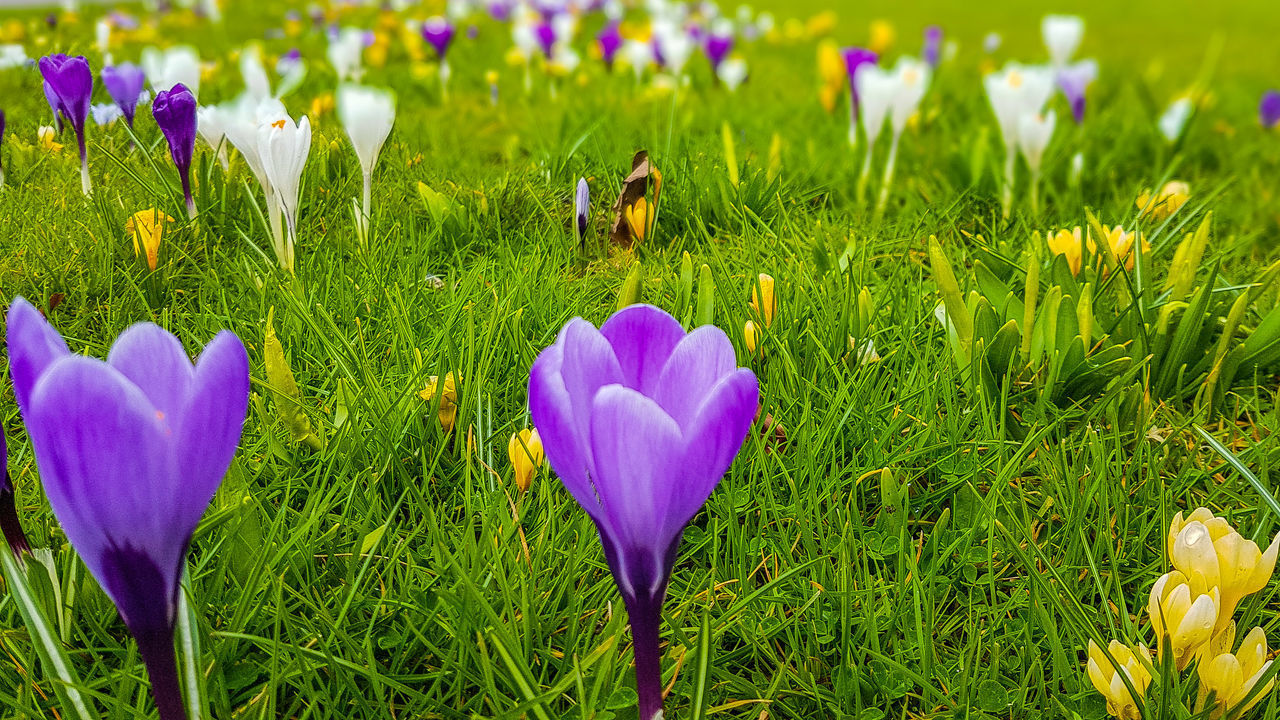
(582,208)
(146,228)
(525,451)
(762,298)
(1183,617)
(448,392)
(439,33)
(1231,677)
(175,113)
(9,523)
(1106,677)
(1269,109)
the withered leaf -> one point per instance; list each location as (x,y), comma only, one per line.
(634,187)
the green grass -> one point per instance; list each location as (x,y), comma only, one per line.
(399,574)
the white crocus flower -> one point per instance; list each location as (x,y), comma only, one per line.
(284,147)
(910,80)
(1062,36)
(676,45)
(166,68)
(211,124)
(876,89)
(1014,92)
(242,122)
(257,86)
(1034,132)
(1174,119)
(638,55)
(346,53)
(102,37)
(367,114)
(732,73)
(12,55)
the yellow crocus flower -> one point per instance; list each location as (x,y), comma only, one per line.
(882,37)
(321,105)
(146,227)
(1183,614)
(1231,677)
(762,298)
(1067,244)
(833,74)
(751,337)
(1208,551)
(1171,197)
(48,139)
(448,411)
(525,451)
(1107,679)
(638,217)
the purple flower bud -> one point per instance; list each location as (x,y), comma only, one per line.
(124,83)
(1269,109)
(10,525)
(130,452)
(582,207)
(610,40)
(640,421)
(439,32)
(175,113)
(932,51)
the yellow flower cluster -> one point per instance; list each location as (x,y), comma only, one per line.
(1191,612)
(1067,243)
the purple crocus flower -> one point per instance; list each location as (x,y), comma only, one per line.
(500,10)
(130,452)
(9,523)
(124,83)
(439,32)
(610,41)
(51,97)
(582,208)
(69,86)
(717,47)
(854,58)
(175,112)
(1074,80)
(932,51)
(1269,109)
(640,421)
(545,33)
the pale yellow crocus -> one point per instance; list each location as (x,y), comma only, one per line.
(48,138)
(1209,551)
(526,454)
(1171,197)
(1182,615)
(762,298)
(1106,679)
(146,228)
(1067,243)
(1230,677)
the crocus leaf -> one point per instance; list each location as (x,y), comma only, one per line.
(285,389)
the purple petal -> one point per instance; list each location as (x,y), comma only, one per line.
(587,364)
(637,452)
(712,440)
(696,364)
(210,424)
(33,346)
(1269,109)
(564,444)
(106,467)
(153,360)
(642,337)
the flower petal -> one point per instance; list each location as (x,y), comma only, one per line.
(712,440)
(33,346)
(153,359)
(208,431)
(565,446)
(637,447)
(83,412)
(642,337)
(694,367)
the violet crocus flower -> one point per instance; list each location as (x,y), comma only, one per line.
(70,82)
(1074,80)
(1269,109)
(545,33)
(51,97)
(932,51)
(500,10)
(854,58)
(439,32)
(609,40)
(9,523)
(640,421)
(582,209)
(175,113)
(130,452)
(124,83)
(717,46)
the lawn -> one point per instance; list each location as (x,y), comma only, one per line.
(928,534)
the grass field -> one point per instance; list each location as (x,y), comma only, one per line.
(915,547)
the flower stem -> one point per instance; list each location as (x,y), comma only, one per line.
(366,212)
(853,121)
(645,615)
(85,185)
(10,524)
(865,175)
(186,193)
(1035,191)
(888,174)
(1006,193)
(162,668)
